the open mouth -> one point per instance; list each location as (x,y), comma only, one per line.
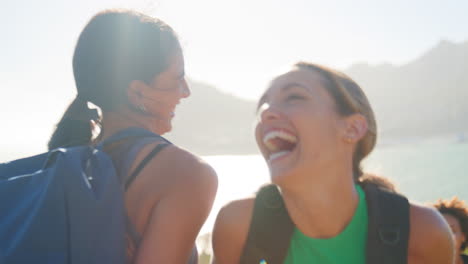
(279,143)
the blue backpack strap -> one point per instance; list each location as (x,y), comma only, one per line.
(130,133)
(23,166)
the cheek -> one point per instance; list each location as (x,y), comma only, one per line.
(258,137)
(321,139)
(320,128)
(257,132)
(163,100)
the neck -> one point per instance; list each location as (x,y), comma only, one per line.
(113,122)
(323,207)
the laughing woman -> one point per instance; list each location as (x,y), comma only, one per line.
(131,66)
(315,127)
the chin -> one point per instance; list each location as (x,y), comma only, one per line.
(162,132)
(281,177)
(162,129)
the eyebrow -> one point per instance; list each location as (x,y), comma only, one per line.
(294,84)
(261,101)
(288,86)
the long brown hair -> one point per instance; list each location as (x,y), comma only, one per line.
(115,48)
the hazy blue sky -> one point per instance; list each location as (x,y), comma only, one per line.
(235,45)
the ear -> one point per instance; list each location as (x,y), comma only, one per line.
(355,128)
(135,92)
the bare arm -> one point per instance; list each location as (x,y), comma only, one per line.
(231,230)
(431,240)
(177,191)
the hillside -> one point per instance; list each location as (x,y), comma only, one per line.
(424,98)
(211,122)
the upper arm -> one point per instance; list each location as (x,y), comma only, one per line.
(181,189)
(430,238)
(231,230)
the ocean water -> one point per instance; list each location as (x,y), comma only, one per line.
(423,172)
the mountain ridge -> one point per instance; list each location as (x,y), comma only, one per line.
(422,98)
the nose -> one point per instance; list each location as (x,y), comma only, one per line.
(268,112)
(185,91)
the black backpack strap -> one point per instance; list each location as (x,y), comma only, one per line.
(388,226)
(270,229)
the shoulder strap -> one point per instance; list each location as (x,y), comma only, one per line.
(144,162)
(388,226)
(131,132)
(132,232)
(270,229)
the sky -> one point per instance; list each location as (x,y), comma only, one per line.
(236,46)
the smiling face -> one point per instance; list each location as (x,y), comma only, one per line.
(299,128)
(160,98)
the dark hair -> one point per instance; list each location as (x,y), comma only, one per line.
(349,99)
(458,209)
(115,48)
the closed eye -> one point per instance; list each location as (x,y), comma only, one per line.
(294,91)
(292,97)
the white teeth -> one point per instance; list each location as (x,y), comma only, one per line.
(274,148)
(280,134)
(277,155)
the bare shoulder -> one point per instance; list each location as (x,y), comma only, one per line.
(231,230)
(171,198)
(430,239)
(236,214)
(180,160)
(189,170)
(176,167)
(173,173)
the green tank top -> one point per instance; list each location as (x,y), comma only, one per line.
(347,247)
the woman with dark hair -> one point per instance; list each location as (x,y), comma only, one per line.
(131,67)
(455,213)
(315,126)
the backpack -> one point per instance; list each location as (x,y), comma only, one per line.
(66,205)
(271,228)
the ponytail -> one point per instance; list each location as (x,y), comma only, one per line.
(74,128)
(115,48)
